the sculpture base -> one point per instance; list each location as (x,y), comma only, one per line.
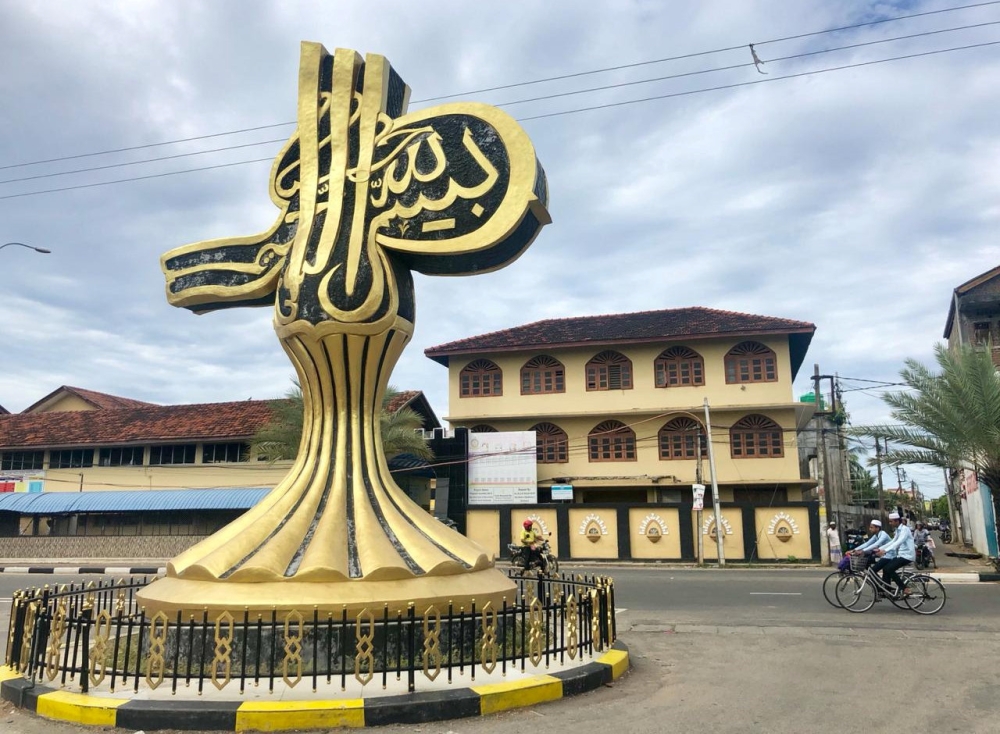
(191,597)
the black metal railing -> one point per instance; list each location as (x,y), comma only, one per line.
(81,637)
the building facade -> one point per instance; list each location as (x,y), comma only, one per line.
(617,401)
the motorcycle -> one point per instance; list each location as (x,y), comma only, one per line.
(946,535)
(519,556)
(924,557)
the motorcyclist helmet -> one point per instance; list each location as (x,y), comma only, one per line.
(528,524)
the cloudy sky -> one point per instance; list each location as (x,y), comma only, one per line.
(855,198)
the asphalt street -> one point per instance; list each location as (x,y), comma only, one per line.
(755,651)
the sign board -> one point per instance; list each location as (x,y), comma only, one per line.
(503,468)
(22,481)
(562,492)
(698,494)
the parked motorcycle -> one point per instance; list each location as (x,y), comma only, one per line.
(946,535)
(519,558)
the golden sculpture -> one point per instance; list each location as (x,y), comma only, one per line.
(367,194)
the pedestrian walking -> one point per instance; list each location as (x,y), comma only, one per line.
(833,541)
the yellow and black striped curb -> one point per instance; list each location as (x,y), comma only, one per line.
(413,708)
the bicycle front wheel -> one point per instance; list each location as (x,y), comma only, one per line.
(927,595)
(830,587)
(854,594)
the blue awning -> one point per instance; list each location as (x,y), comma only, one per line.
(61,503)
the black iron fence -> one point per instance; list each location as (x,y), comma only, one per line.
(81,637)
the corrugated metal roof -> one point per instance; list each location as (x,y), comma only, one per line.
(56,503)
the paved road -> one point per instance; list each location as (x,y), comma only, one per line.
(761,651)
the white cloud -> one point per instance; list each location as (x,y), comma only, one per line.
(856,199)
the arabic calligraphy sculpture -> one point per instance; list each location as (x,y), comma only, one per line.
(367,194)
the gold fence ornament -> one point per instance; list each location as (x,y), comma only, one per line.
(30,617)
(156,666)
(223,659)
(15,607)
(432,643)
(98,655)
(595,621)
(489,648)
(572,627)
(56,632)
(293,648)
(120,598)
(535,617)
(364,660)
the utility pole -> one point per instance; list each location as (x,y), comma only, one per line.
(881,489)
(719,529)
(698,480)
(822,459)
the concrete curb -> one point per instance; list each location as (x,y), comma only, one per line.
(413,708)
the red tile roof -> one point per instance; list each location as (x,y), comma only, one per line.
(156,423)
(401,399)
(99,400)
(695,322)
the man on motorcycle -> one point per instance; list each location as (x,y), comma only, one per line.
(920,536)
(531,541)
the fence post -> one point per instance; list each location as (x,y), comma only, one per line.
(86,616)
(411,673)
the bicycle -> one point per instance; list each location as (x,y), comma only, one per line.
(859,591)
(830,585)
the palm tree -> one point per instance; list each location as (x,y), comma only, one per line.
(279,438)
(948,419)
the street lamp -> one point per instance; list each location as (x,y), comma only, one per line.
(30,247)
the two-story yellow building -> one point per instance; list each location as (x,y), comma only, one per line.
(617,404)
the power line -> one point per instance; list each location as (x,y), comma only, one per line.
(526,100)
(557,114)
(758,81)
(703,53)
(147,160)
(741,66)
(137,178)
(521,84)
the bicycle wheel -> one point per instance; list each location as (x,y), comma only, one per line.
(830,587)
(927,595)
(855,594)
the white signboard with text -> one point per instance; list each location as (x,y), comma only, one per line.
(502,468)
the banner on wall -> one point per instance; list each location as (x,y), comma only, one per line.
(503,468)
(22,481)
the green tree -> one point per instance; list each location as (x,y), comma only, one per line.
(939,507)
(279,438)
(949,418)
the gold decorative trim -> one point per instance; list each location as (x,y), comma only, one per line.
(365,647)
(293,649)
(535,618)
(99,653)
(432,643)
(572,627)
(489,648)
(54,646)
(156,667)
(223,660)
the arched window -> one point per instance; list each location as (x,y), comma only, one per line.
(679,439)
(750,362)
(756,437)
(550,442)
(482,378)
(609,370)
(482,428)
(541,375)
(612,441)
(679,366)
